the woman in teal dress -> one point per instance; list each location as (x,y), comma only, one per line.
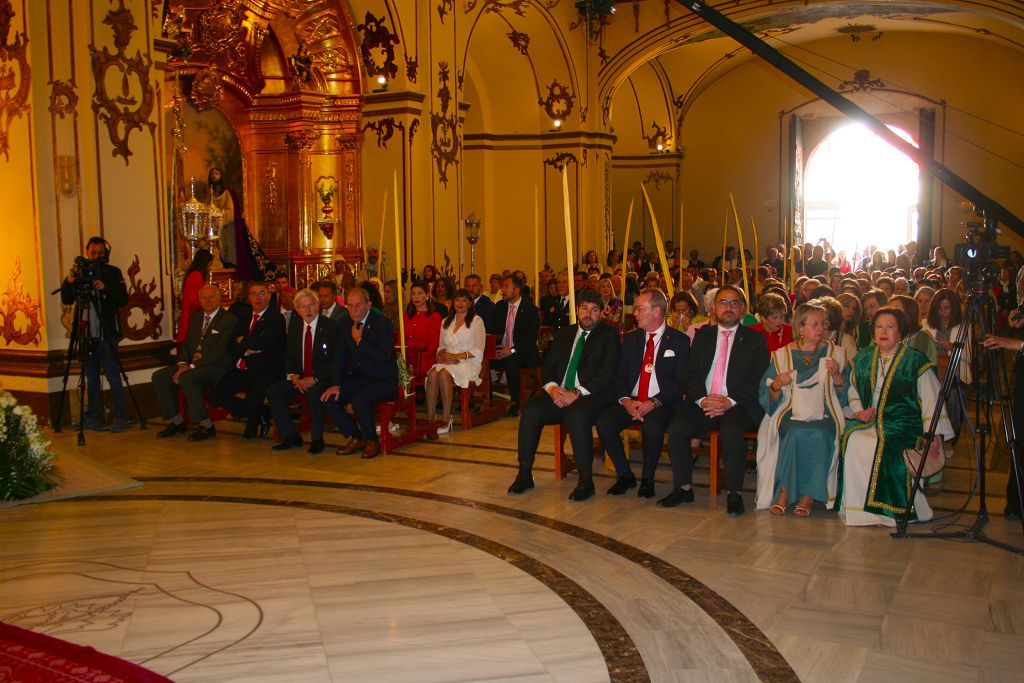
(798,439)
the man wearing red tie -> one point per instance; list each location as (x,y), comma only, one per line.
(258,350)
(309,352)
(726,364)
(578,375)
(649,388)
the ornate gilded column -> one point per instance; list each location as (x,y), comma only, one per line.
(302,142)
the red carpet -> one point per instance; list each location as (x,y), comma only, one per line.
(26,656)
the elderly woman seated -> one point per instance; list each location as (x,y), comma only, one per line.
(798,440)
(893,394)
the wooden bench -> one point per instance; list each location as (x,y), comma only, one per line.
(564,464)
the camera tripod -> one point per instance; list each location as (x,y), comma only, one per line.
(81,348)
(980,310)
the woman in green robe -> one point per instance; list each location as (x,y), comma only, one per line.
(893,393)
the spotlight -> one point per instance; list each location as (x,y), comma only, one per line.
(382,79)
(660,147)
(557,123)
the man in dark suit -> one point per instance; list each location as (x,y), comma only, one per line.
(517,322)
(649,389)
(204,360)
(723,371)
(482,305)
(556,313)
(258,350)
(365,373)
(309,356)
(327,295)
(578,378)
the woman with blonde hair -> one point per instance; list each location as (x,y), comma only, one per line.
(798,440)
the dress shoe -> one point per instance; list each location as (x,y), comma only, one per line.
(249,432)
(202,433)
(622,484)
(118,425)
(353,446)
(676,497)
(513,410)
(520,485)
(287,443)
(171,430)
(583,491)
(734,504)
(371,450)
(646,490)
(316,446)
(445,428)
(95,424)
(1011,513)
(265,423)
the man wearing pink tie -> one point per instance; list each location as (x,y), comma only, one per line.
(722,373)
(517,323)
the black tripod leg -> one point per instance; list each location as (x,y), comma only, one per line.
(127,385)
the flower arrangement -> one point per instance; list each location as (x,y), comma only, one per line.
(25,462)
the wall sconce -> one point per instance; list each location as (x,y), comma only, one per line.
(382,83)
(472,236)
(557,124)
(67,176)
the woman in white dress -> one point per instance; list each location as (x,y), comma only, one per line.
(892,397)
(459,357)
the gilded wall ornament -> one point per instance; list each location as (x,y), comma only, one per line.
(658,177)
(385,129)
(561,160)
(221,35)
(207,89)
(63,99)
(378,47)
(444,7)
(140,297)
(558,104)
(15,76)
(520,41)
(445,143)
(20,316)
(271,190)
(124,111)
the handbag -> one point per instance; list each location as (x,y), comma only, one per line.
(934,461)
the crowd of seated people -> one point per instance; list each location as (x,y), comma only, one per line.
(834,364)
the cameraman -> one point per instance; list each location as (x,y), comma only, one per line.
(103,292)
(1016,321)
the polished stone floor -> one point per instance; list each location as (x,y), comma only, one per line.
(233,563)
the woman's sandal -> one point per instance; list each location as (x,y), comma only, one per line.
(777,509)
(802,511)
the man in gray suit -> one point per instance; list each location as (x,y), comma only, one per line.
(204,362)
(327,295)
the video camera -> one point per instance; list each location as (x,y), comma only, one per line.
(87,271)
(979,254)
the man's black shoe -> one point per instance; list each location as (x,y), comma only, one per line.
(202,433)
(676,497)
(249,432)
(513,410)
(287,443)
(171,430)
(646,490)
(734,504)
(583,491)
(1012,514)
(622,484)
(316,446)
(265,423)
(520,485)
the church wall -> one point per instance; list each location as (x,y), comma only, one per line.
(731,133)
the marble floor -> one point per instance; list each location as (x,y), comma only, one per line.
(233,563)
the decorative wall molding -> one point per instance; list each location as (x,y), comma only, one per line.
(122,112)
(561,160)
(657,177)
(862,81)
(559,101)
(520,41)
(15,76)
(270,188)
(140,297)
(20,316)
(385,129)
(377,37)
(63,99)
(445,143)
(207,89)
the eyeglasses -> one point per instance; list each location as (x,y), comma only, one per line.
(729,303)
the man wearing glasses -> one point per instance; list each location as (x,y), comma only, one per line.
(722,373)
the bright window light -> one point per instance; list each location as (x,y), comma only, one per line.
(859,191)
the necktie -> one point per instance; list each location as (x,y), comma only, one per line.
(574,362)
(646,370)
(252,326)
(510,323)
(718,381)
(206,325)
(359,325)
(307,353)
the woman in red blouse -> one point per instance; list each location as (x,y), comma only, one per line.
(422,328)
(195,277)
(772,309)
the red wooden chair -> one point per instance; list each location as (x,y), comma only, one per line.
(489,409)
